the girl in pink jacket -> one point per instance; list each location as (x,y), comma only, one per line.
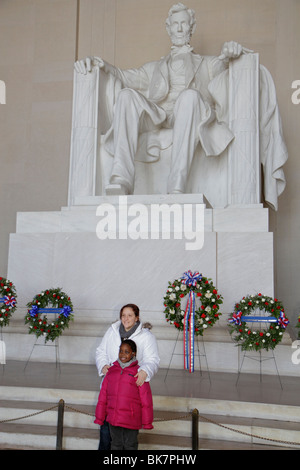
(125,406)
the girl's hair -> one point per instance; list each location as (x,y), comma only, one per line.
(133,307)
(130,343)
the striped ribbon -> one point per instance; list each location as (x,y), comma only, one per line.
(188,336)
(190,280)
(238,318)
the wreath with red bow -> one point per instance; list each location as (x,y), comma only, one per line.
(194,319)
(8,301)
(205,293)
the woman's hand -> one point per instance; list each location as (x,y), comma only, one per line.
(141,377)
(105,369)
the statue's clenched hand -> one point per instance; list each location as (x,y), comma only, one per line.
(232,50)
(86,65)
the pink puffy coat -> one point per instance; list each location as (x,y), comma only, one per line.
(121,402)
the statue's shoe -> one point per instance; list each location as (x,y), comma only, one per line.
(116,190)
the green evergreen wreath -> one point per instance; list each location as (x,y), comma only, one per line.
(254,338)
(205,292)
(298,326)
(8,301)
(61,308)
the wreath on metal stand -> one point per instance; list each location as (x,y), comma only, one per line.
(192,321)
(8,301)
(61,307)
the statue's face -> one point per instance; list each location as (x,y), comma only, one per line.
(180,28)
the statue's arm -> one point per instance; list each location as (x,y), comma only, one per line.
(136,78)
(230,51)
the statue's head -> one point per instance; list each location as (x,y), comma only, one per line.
(180,24)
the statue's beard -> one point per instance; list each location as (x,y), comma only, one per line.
(181,40)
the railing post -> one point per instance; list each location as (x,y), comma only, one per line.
(60,424)
(195,433)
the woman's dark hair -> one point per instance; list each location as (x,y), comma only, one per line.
(130,343)
(133,307)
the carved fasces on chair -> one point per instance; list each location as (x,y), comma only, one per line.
(243,116)
(83,155)
(94,95)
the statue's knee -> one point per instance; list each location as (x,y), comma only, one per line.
(190,96)
(189,101)
(125,95)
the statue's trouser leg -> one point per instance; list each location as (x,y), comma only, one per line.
(133,113)
(189,110)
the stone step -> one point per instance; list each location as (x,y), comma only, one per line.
(46,397)
(43,437)
(182,404)
(78,346)
(24,437)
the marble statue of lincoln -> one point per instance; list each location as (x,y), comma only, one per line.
(169,93)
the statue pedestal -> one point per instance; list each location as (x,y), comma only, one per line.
(61,249)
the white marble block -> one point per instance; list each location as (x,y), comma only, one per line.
(61,249)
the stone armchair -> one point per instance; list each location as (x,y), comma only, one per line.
(232,178)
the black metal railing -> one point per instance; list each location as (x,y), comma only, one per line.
(193,415)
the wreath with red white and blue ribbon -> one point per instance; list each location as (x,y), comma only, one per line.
(255,337)
(195,318)
(8,301)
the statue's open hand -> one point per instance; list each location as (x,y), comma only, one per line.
(232,50)
(86,65)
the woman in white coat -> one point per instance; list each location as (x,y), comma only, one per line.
(129,326)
